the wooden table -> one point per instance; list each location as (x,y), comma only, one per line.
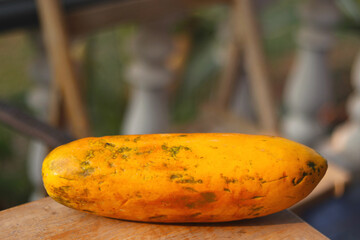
(46,219)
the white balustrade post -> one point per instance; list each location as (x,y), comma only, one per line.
(308,89)
(149,77)
(38,100)
(345,141)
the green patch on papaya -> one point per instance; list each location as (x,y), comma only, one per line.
(123,149)
(174,150)
(208,196)
(145,152)
(205,198)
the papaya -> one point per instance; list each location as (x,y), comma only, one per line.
(177,178)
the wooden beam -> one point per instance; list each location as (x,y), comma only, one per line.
(56,40)
(256,65)
(28,125)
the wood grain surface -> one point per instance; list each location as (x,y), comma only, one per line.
(46,219)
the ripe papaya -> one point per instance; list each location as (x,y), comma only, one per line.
(203,177)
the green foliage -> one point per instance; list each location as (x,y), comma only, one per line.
(106,59)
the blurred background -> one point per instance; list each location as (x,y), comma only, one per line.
(94,68)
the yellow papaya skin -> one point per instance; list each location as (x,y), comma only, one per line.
(182,177)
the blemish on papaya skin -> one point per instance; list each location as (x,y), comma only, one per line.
(174,176)
(311,165)
(228,180)
(257,197)
(85,192)
(190,205)
(109,146)
(62,200)
(85,163)
(135,140)
(123,149)
(273,180)
(90,155)
(66,178)
(158,217)
(226,190)
(195,214)
(190,189)
(183,135)
(297,181)
(87,210)
(61,195)
(208,196)
(86,171)
(189,180)
(180,178)
(256,209)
